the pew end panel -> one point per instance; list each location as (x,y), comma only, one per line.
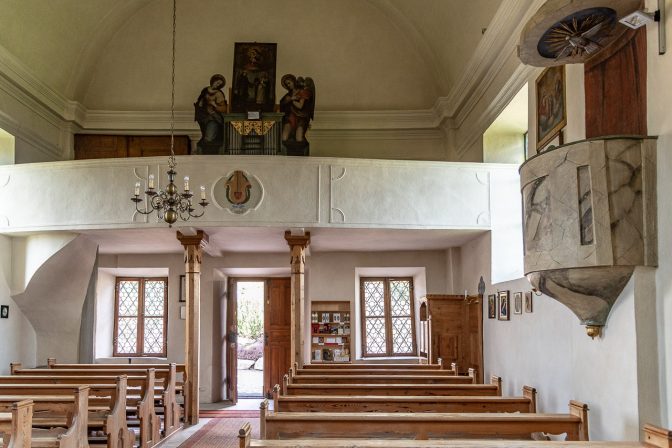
(285,383)
(22,422)
(276,396)
(580,410)
(497,381)
(657,437)
(263,409)
(530,393)
(245,436)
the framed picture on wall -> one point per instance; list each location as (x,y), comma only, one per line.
(492,306)
(4,311)
(518,303)
(528,302)
(551,104)
(183,288)
(504,305)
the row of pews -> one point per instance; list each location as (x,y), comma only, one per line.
(86,405)
(384,405)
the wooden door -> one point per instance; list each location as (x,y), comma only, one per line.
(232,343)
(277,331)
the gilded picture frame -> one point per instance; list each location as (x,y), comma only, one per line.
(551,112)
(518,303)
(492,306)
(504,308)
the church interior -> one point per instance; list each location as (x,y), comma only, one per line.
(353,223)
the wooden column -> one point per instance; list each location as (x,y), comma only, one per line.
(193,254)
(298,245)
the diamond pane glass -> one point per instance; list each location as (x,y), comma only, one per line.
(128,298)
(402,339)
(154,297)
(153,342)
(375,336)
(400,292)
(127,335)
(374,298)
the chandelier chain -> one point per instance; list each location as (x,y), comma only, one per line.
(171,161)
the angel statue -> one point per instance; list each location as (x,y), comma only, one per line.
(298,105)
(210,108)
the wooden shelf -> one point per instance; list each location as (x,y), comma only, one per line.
(321,318)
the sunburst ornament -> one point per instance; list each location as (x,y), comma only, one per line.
(578,36)
(572,31)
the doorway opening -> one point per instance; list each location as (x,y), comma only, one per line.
(250,351)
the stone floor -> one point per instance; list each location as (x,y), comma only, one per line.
(250,381)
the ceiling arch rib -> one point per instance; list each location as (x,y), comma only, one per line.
(108,26)
(418,41)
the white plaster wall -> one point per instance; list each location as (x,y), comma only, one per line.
(659,99)
(503,147)
(549,350)
(16,332)
(29,253)
(6,148)
(104,315)
(507,226)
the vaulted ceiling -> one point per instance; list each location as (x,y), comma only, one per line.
(363,54)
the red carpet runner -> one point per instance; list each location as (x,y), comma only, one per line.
(222,432)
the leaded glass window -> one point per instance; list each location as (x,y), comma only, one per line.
(140,317)
(388,325)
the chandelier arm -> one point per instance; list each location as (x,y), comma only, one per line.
(145,212)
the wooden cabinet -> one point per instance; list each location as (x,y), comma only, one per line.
(90,146)
(455,331)
(330,331)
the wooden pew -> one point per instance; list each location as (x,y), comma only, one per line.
(143,401)
(166,376)
(421,426)
(380,369)
(347,403)
(654,437)
(180,370)
(494,388)
(374,365)
(108,413)
(76,422)
(336,378)
(16,426)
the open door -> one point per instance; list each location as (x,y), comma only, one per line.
(232,343)
(277,326)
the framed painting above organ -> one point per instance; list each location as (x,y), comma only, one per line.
(253,77)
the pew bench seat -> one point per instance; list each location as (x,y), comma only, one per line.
(421,426)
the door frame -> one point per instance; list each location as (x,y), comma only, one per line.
(232,332)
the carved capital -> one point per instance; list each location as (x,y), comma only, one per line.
(297,240)
(199,240)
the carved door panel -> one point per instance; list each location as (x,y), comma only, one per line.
(277,327)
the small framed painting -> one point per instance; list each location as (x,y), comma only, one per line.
(518,303)
(492,306)
(551,104)
(528,302)
(504,306)
(4,311)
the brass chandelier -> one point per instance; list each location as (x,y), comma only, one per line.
(169,203)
